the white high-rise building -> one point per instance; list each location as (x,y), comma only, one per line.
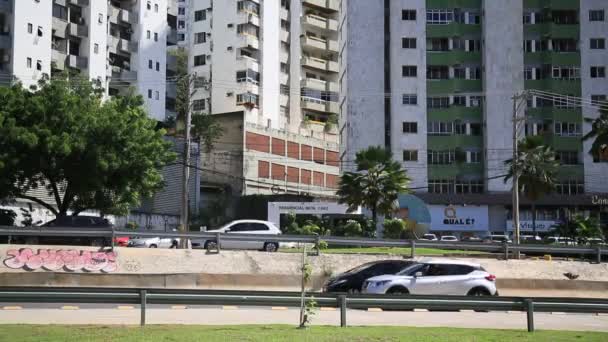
(433,80)
(121,43)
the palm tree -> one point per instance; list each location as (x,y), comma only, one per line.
(376,184)
(578,228)
(599,131)
(537,170)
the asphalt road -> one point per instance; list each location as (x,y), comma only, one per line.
(11,313)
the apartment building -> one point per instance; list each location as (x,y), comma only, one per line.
(433,81)
(276,62)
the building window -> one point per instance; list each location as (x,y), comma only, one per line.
(181,11)
(568,129)
(199,60)
(249,76)
(597,100)
(149,93)
(460,100)
(150,64)
(441,157)
(440,128)
(96,48)
(408,43)
(198,105)
(408,14)
(157,66)
(567,157)
(437,72)
(469,187)
(39,65)
(598,72)
(148,34)
(441,186)
(596,15)
(149,5)
(409,71)
(155,36)
(200,37)
(410,155)
(566,73)
(156,8)
(30,28)
(570,187)
(29,63)
(156,95)
(410,99)
(437,102)
(439,16)
(410,127)
(474,157)
(181,24)
(247,98)
(476,101)
(597,43)
(200,15)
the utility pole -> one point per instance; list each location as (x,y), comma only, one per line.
(515,191)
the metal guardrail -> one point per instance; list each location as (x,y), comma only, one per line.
(143,297)
(503,248)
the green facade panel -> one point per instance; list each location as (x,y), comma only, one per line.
(452,30)
(566,87)
(451,142)
(452,86)
(552,30)
(452,57)
(438,4)
(560,143)
(553,4)
(556,114)
(571,172)
(455,170)
(553,58)
(474,114)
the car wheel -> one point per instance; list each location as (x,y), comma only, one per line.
(353,291)
(271,247)
(398,291)
(478,292)
(211,246)
(153,246)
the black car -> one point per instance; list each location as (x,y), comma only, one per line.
(71,222)
(352,280)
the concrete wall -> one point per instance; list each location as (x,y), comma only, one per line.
(362,112)
(594,172)
(503,77)
(271,66)
(96,17)
(200,26)
(400,113)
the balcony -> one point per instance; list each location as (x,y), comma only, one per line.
(554,114)
(570,87)
(552,30)
(6,6)
(450,142)
(452,57)
(284,36)
(284,78)
(247,40)
(319,22)
(172,37)
(553,4)
(318,105)
(319,44)
(5,41)
(127,17)
(245,62)
(60,27)
(80,31)
(312,83)
(326,5)
(77,62)
(284,100)
(58,59)
(284,56)
(81,3)
(453,30)
(284,13)
(451,86)
(127,46)
(455,112)
(320,64)
(245,17)
(552,58)
(455,170)
(121,75)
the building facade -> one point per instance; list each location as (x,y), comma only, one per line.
(439,95)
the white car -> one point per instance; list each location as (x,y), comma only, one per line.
(154,242)
(449,238)
(243,227)
(429,237)
(436,277)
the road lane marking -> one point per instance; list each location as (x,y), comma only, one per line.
(328,309)
(558,313)
(179,307)
(279,308)
(467,310)
(230,307)
(421,310)
(125,307)
(69,307)
(374,310)
(12,308)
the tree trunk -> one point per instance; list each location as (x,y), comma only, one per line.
(375,219)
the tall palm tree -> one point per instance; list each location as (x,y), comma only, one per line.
(537,170)
(599,131)
(376,184)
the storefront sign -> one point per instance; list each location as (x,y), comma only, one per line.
(275,209)
(526,226)
(459,218)
(598,200)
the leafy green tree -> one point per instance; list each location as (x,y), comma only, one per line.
(578,228)
(86,153)
(376,184)
(537,170)
(394,228)
(599,132)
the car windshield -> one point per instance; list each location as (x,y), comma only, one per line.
(360,268)
(411,270)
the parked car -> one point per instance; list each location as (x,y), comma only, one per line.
(471,239)
(73,222)
(436,277)
(429,237)
(154,242)
(449,238)
(530,239)
(243,227)
(497,239)
(122,241)
(352,280)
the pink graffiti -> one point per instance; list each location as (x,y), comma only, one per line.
(55,260)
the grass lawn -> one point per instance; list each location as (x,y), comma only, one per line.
(385,250)
(26,333)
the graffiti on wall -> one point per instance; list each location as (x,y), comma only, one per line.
(61,260)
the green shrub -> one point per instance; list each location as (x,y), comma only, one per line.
(394,228)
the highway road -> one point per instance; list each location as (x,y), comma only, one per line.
(11,313)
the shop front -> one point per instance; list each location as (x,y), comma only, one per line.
(459,220)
